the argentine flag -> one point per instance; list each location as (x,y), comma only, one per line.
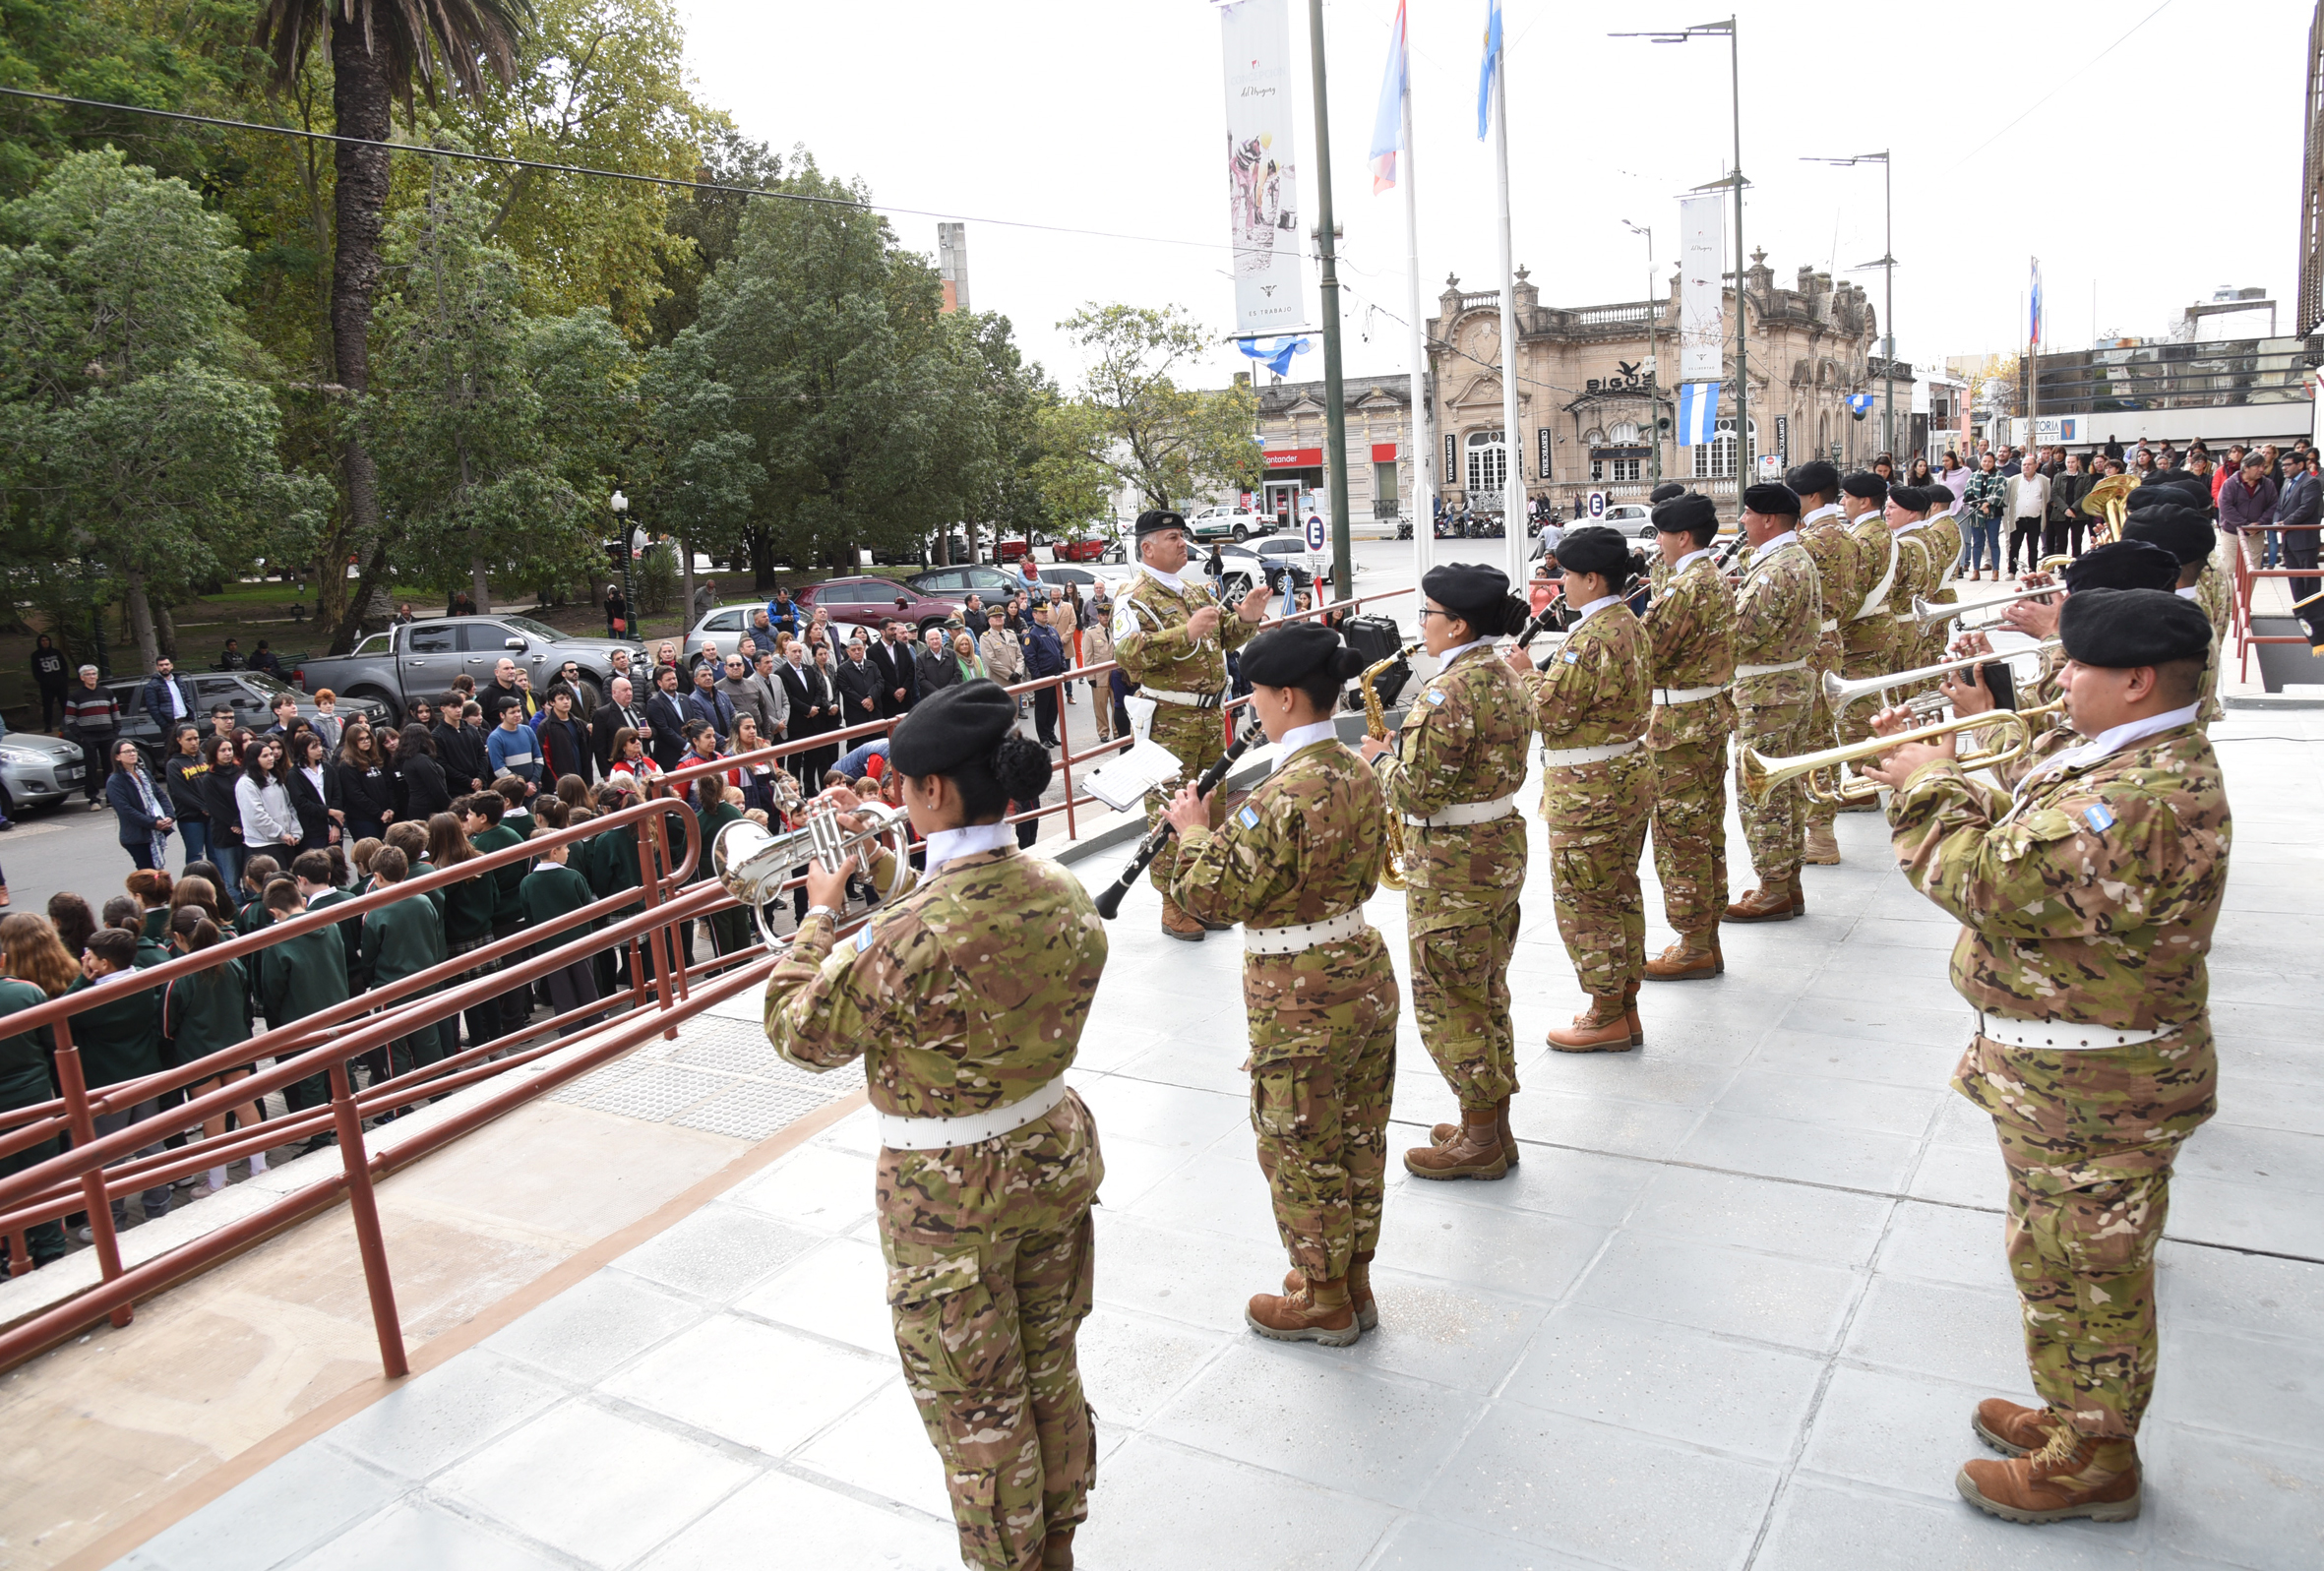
(1387,126)
(1485,71)
(1698,414)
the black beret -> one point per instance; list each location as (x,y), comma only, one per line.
(2117,629)
(1595,548)
(1154,521)
(1865,483)
(1663,491)
(951,727)
(1909,498)
(1687,513)
(1286,656)
(1464,588)
(1814,475)
(2124,564)
(1772,500)
(2182,530)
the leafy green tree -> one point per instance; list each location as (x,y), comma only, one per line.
(1145,429)
(135,441)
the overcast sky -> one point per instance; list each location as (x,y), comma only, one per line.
(2165,169)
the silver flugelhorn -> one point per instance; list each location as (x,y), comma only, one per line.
(753,863)
(1840,693)
(1926,611)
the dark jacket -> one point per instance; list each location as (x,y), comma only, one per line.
(897,670)
(189,801)
(935,672)
(153,697)
(204,1013)
(128,806)
(550,891)
(505,880)
(667,714)
(302,976)
(366,792)
(860,687)
(567,746)
(461,753)
(2301,501)
(400,939)
(121,1039)
(48,669)
(713,708)
(806,688)
(225,813)
(25,1076)
(426,792)
(313,808)
(609,718)
(1045,655)
(2241,507)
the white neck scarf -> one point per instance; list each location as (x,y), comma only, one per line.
(949,845)
(2109,742)
(1174,580)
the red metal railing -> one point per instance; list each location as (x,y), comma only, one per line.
(661,994)
(2246,582)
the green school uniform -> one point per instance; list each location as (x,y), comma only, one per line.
(119,1040)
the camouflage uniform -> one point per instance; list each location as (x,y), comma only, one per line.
(2090,898)
(966,994)
(1596,693)
(1942,537)
(1463,741)
(1690,635)
(1868,638)
(1778,612)
(2217,600)
(1841,585)
(1152,647)
(1307,846)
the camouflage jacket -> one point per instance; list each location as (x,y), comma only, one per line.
(1150,641)
(967,992)
(1778,615)
(1876,549)
(1838,585)
(1690,641)
(1595,692)
(2217,600)
(1916,572)
(2091,896)
(1463,740)
(1308,844)
(1942,537)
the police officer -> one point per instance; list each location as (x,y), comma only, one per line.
(2088,896)
(1453,772)
(1294,864)
(1591,701)
(1823,531)
(966,997)
(1690,639)
(1171,637)
(1778,618)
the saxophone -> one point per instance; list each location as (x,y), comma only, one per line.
(1375,726)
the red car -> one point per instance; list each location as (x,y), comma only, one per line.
(1014,550)
(867,602)
(1092,548)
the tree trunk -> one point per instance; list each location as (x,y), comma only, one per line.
(360,101)
(166,626)
(686,567)
(480,586)
(762,557)
(141,620)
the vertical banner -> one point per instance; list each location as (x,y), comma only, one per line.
(1263,189)
(1452,478)
(1703,317)
(1540,463)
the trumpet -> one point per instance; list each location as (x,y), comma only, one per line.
(1926,611)
(1840,693)
(1763,774)
(753,863)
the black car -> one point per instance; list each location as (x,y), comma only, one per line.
(251,694)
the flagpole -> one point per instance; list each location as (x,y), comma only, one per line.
(1424,441)
(1335,409)
(2033,365)
(1512,508)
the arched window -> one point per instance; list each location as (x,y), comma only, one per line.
(1625,434)
(1718,461)
(1593,438)
(1488,468)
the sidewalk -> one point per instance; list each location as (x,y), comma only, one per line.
(1732,1311)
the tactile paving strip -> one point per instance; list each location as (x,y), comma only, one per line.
(721,1076)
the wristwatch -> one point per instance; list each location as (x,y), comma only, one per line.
(821,911)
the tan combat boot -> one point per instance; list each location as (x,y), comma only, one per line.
(2012,1429)
(1316,1312)
(1776,900)
(1444,1133)
(1176,924)
(1057,1550)
(1473,1153)
(1695,956)
(1600,1028)
(2072,1476)
(1629,1013)
(1822,847)
(1360,1296)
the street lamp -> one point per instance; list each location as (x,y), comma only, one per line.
(1887,266)
(1743,381)
(621,522)
(1653,368)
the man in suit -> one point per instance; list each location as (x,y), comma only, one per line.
(813,703)
(770,706)
(616,711)
(859,684)
(666,716)
(893,654)
(167,699)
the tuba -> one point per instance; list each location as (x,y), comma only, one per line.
(1375,726)
(2105,503)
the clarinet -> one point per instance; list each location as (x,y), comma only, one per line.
(1109,900)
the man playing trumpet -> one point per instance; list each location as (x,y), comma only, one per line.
(1778,614)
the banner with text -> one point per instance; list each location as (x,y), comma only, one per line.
(1702,319)
(1263,189)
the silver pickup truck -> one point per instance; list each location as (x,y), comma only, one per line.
(419,659)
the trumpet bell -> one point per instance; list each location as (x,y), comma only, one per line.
(752,863)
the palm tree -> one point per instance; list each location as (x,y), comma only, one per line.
(378,50)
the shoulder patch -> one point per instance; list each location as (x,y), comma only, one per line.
(863,937)
(1124,617)
(1436,696)
(2097,818)
(1248,817)
(1572,657)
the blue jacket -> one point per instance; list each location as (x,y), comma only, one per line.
(1045,656)
(782,618)
(515,753)
(713,708)
(154,701)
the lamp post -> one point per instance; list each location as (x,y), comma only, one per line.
(1743,380)
(1887,266)
(1653,368)
(621,522)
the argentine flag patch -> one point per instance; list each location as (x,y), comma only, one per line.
(2097,818)
(1248,817)
(1435,696)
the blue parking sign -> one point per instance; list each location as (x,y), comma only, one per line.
(1314,534)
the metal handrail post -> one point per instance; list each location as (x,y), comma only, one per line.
(95,1194)
(363,1210)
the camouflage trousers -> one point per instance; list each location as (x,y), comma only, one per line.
(1690,832)
(990,1274)
(1461,998)
(2089,1139)
(1198,737)
(1597,818)
(1322,1068)
(1775,828)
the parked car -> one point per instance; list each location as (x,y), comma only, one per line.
(1228,523)
(1092,543)
(958,582)
(865,602)
(250,694)
(419,659)
(37,770)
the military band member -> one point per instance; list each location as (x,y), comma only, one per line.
(1453,772)
(2188,535)
(965,998)
(2088,897)
(1294,864)
(1171,637)
(1591,703)
(1918,571)
(1942,540)
(1778,618)
(2117,565)
(1690,641)
(1840,584)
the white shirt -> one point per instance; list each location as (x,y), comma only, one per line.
(948,845)
(1306,736)
(177,699)
(1827,510)
(1680,566)
(1176,582)
(1459,649)
(1760,553)
(1592,609)
(2033,494)
(2109,742)
(2191,592)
